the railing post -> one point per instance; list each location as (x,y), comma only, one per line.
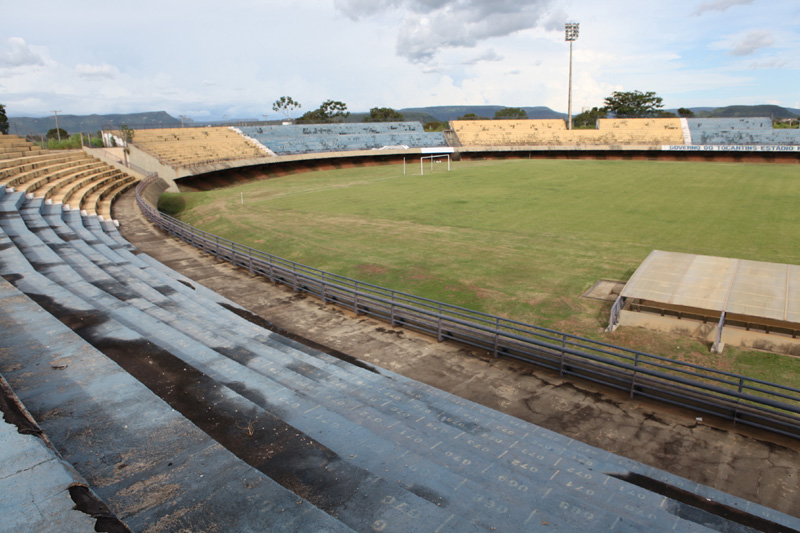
(217,247)
(251,260)
(391,311)
(563,354)
(738,399)
(496,336)
(324,286)
(294,275)
(439,329)
(271,271)
(355,298)
(633,378)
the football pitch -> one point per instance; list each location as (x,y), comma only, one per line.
(523,239)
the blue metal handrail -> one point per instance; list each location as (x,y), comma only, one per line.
(733,396)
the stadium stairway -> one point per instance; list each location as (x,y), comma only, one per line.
(181,412)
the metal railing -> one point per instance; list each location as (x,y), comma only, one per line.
(734,397)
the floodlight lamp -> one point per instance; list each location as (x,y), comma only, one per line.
(571,31)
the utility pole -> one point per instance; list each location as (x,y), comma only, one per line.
(58,132)
(571,34)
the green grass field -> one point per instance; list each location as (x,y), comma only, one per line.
(521,239)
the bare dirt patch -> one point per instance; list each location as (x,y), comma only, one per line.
(372,269)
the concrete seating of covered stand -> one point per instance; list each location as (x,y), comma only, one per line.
(192,146)
(370,448)
(343,137)
(740,131)
(553,132)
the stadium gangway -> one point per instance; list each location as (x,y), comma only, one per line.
(730,396)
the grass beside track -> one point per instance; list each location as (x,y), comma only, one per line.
(520,239)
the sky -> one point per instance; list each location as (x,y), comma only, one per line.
(211,60)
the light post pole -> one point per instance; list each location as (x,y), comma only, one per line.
(58,133)
(570,34)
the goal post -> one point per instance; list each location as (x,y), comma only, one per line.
(432,158)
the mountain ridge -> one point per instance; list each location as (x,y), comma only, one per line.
(92,123)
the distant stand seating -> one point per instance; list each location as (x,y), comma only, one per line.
(553,132)
(185,147)
(740,131)
(343,137)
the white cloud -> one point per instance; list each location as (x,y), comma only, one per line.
(754,40)
(15,52)
(768,63)
(391,53)
(719,5)
(488,55)
(96,71)
(432,25)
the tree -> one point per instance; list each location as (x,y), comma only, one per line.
(472,116)
(635,104)
(286,105)
(588,119)
(685,113)
(3,120)
(329,111)
(127,137)
(383,114)
(511,113)
(59,133)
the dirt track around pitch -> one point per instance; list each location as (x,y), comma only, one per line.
(756,465)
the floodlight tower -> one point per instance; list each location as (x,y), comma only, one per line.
(570,34)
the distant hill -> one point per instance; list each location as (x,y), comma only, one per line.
(92,123)
(735,111)
(453,112)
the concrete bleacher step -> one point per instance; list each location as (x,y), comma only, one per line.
(75,194)
(70,172)
(54,170)
(36,484)
(154,468)
(10,167)
(122,318)
(219,368)
(92,201)
(107,198)
(383,433)
(437,460)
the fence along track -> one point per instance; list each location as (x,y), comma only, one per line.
(729,396)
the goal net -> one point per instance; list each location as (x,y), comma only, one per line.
(431,161)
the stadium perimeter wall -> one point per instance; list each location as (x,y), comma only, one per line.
(231,172)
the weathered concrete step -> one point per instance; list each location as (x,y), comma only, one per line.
(152,466)
(353,479)
(35,482)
